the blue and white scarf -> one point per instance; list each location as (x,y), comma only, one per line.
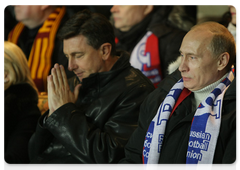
(204,130)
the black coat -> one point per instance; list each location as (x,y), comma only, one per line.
(97,127)
(176,137)
(20,115)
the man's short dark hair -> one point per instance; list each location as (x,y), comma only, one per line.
(95,27)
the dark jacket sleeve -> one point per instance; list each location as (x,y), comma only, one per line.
(134,147)
(39,140)
(90,143)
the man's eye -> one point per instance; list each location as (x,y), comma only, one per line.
(78,56)
(192,57)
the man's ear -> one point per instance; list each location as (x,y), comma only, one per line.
(106,49)
(45,4)
(223,60)
(148,9)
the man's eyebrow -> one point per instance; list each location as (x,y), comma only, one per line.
(74,53)
(187,53)
(78,52)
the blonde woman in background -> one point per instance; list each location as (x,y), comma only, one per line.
(20,105)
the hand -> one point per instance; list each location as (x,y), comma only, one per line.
(59,92)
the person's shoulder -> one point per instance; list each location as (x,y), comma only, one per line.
(130,75)
(23,90)
(134,78)
(21,95)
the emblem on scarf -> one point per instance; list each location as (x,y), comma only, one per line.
(145,57)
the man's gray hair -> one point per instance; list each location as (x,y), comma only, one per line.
(222,40)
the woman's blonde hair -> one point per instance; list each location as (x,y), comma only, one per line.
(15,63)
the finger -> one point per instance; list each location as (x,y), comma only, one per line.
(51,89)
(50,84)
(59,75)
(54,78)
(64,76)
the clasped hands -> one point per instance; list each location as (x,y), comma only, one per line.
(59,92)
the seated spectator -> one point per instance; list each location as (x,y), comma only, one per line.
(35,34)
(191,116)
(20,105)
(92,115)
(147,34)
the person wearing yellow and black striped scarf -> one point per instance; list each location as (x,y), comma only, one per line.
(35,34)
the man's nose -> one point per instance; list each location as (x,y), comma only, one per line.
(71,64)
(114,8)
(183,66)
